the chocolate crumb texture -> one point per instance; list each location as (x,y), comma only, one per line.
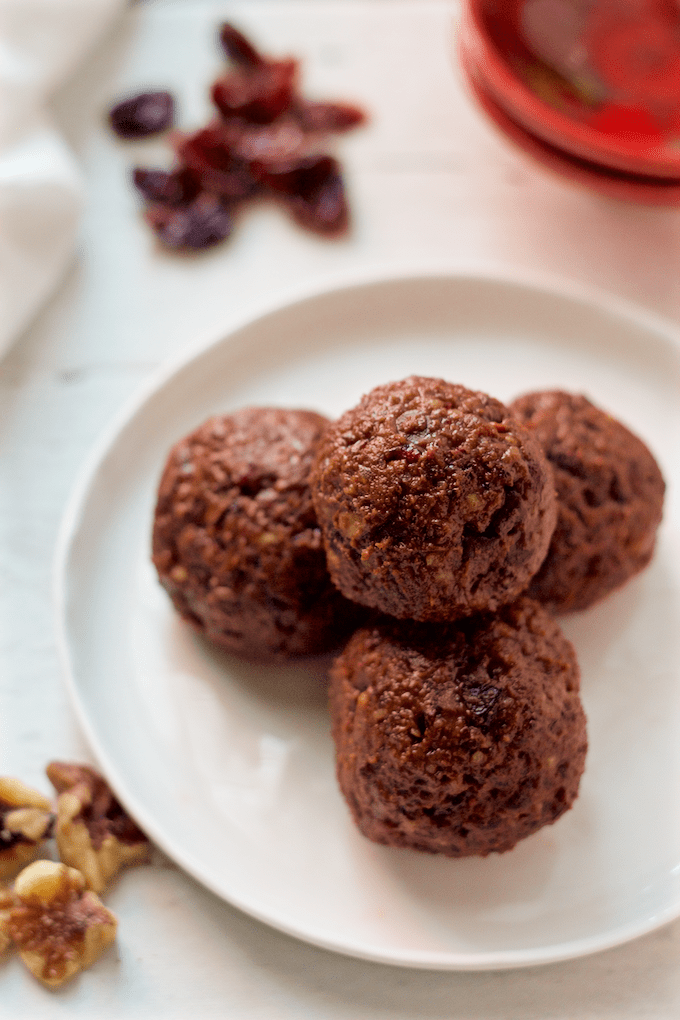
(462,738)
(610,494)
(236,542)
(433,501)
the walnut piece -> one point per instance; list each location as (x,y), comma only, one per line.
(94,834)
(26,822)
(59,926)
(7,901)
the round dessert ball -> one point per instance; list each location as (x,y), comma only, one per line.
(235,538)
(609,495)
(461,738)
(433,501)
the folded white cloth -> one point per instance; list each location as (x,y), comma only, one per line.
(41,42)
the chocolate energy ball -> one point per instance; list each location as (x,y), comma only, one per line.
(610,499)
(235,539)
(434,502)
(461,738)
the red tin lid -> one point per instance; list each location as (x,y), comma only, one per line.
(596,80)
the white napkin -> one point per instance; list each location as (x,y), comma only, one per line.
(41,42)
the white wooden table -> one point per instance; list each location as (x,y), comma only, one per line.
(430,183)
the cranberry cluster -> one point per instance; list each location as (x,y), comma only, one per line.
(266,140)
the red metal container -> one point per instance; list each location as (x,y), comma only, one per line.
(589,87)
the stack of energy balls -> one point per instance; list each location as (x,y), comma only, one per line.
(430,533)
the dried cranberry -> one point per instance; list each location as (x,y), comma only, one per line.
(238,48)
(257,94)
(324,208)
(301,177)
(208,155)
(277,142)
(173,188)
(328,116)
(143,115)
(201,224)
(266,138)
(314,189)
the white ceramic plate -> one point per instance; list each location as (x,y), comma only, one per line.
(229,767)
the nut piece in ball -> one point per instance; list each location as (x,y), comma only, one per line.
(434,502)
(236,541)
(610,499)
(459,739)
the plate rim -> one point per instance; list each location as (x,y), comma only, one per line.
(545,284)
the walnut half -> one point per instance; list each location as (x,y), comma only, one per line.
(25,822)
(93,832)
(59,927)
